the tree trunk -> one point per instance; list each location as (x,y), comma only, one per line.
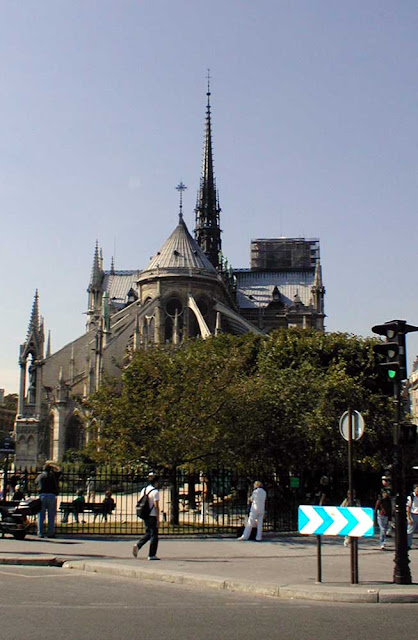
(174,491)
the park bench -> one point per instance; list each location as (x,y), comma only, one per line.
(97,508)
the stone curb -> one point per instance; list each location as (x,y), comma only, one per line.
(33,561)
(318,592)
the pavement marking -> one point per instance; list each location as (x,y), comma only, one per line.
(29,575)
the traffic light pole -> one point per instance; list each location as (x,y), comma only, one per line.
(394,350)
(402,573)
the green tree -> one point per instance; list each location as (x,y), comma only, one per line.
(171,404)
(273,400)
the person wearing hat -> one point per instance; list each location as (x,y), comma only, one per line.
(48,482)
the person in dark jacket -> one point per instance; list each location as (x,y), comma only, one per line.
(76,507)
(18,493)
(383,510)
(48,483)
(108,505)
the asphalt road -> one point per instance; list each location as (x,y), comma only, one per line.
(39,603)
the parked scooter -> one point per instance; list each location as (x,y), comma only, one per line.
(15,518)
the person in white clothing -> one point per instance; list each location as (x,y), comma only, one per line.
(412,514)
(255,517)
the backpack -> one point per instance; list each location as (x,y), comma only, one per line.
(143,508)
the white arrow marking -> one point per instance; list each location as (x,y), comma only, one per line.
(339,522)
(315,519)
(364,522)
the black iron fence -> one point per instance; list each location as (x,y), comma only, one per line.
(103,500)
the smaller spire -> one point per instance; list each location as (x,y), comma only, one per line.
(97,271)
(318,275)
(34,316)
(180,188)
(112,266)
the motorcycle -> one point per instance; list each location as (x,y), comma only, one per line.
(15,516)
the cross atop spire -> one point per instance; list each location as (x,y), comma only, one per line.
(180,188)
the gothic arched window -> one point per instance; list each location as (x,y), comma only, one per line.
(74,433)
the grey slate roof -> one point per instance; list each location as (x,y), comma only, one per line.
(255,288)
(118,284)
(180,252)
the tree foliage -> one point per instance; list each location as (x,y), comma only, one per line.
(273,400)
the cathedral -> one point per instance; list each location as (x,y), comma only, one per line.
(186,291)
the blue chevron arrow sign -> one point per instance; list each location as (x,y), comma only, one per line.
(356,522)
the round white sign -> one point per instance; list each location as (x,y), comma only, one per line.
(357,425)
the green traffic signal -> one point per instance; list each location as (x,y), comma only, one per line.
(394,348)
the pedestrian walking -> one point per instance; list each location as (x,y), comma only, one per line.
(151,521)
(256,514)
(412,514)
(347,502)
(48,482)
(206,505)
(323,493)
(387,486)
(91,488)
(383,511)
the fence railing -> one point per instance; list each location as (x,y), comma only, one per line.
(214,502)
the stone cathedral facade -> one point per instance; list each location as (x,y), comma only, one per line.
(187,290)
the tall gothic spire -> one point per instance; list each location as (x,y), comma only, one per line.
(207,231)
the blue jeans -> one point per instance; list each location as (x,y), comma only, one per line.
(412,526)
(49,504)
(382,521)
(151,533)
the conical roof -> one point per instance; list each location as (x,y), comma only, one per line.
(180,253)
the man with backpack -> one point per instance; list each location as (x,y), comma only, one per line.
(148,508)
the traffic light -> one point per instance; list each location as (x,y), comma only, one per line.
(408,433)
(394,348)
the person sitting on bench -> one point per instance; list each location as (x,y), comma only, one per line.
(77,506)
(108,505)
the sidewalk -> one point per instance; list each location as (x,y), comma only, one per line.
(284,567)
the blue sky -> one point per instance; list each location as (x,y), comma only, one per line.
(314,107)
